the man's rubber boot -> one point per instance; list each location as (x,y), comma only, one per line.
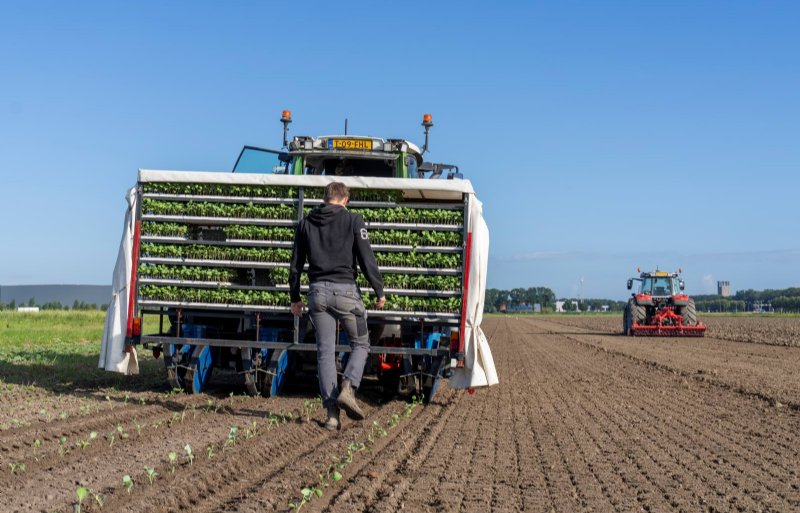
(347,401)
(332,422)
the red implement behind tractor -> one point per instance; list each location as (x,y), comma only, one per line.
(660,308)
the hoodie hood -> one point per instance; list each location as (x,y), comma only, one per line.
(325,214)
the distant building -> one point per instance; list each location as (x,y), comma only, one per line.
(724,288)
(28,309)
(560,306)
(519,308)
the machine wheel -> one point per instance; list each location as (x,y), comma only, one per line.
(431,380)
(272,377)
(174,360)
(249,360)
(689,314)
(633,313)
(199,372)
(626,319)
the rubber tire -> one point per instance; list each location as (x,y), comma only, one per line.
(626,319)
(689,314)
(633,312)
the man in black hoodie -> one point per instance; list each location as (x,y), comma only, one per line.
(333,240)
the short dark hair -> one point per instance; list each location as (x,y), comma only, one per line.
(336,191)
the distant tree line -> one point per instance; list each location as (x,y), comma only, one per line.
(782,300)
(495,298)
(54,305)
(592,305)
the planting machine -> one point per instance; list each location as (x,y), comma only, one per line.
(211,254)
(660,308)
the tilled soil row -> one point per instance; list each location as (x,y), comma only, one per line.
(678,446)
(261,474)
(25,406)
(764,371)
(17,445)
(50,483)
(398,475)
(778,331)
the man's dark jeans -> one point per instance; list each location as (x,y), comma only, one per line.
(327,303)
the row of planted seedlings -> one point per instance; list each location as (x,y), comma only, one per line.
(334,471)
(120,434)
(177,459)
(231,244)
(65,445)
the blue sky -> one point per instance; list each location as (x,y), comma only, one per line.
(601,136)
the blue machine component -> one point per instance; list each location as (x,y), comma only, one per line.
(432,367)
(279,369)
(199,372)
(193,330)
(433,340)
(268,334)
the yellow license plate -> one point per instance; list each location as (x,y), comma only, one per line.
(352,144)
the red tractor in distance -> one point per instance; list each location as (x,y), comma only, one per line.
(660,308)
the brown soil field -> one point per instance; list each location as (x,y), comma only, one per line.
(779,331)
(583,420)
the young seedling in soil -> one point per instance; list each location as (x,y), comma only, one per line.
(379,429)
(36,444)
(17,468)
(189,454)
(121,432)
(251,431)
(83,444)
(126,398)
(210,450)
(99,500)
(173,461)
(151,474)
(63,450)
(272,420)
(306,494)
(138,427)
(81,492)
(142,401)
(232,436)
(309,407)
(330,474)
(127,482)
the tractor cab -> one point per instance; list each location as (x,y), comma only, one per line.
(345,155)
(659,284)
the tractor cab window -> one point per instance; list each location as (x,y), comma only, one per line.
(261,160)
(350,167)
(657,286)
